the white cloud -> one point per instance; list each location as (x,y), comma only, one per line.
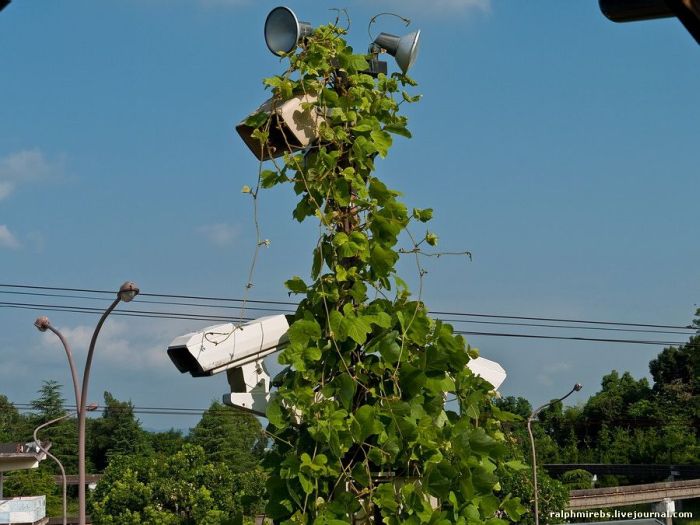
(219,234)
(121,344)
(7,239)
(22,167)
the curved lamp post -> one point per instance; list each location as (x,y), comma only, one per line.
(126,293)
(91,407)
(532,417)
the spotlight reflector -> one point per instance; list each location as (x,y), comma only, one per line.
(404,49)
(283,30)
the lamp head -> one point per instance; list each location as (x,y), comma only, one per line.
(128,291)
(4,4)
(404,49)
(42,323)
(578,387)
(283,30)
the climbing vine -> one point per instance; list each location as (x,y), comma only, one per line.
(361,432)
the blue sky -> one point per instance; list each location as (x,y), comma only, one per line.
(556,146)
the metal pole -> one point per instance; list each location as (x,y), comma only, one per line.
(60,465)
(82,412)
(71,364)
(532,417)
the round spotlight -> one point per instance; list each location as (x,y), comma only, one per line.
(283,30)
(404,49)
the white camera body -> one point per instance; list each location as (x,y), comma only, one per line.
(489,370)
(221,347)
(239,350)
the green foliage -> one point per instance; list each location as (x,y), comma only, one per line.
(183,489)
(249,491)
(577,479)
(50,403)
(35,482)
(229,436)
(359,423)
(553,495)
(627,420)
(117,432)
(10,422)
(63,435)
(166,443)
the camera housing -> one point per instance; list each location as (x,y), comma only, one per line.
(222,347)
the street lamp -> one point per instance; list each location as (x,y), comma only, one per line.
(91,407)
(126,293)
(532,417)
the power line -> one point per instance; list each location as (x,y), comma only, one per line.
(277,310)
(226,319)
(572,338)
(164,411)
(289,303)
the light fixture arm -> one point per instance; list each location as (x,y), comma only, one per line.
(71,364)
(46,451)
(83,409)
(532,417)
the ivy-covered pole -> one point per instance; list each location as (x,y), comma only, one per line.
(360,429)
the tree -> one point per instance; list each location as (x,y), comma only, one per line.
(117,432)
(50,403)
(34,482)
(553,496)
(166,443)
(63,435)
(183,489)
(359,425)
(10,422)
(231,436)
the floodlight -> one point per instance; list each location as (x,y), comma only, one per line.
(687,11)
(283,30)
(404,49)
(633,10)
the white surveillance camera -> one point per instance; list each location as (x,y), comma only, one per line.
(489,370)
(221,347)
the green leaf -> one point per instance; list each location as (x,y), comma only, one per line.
(296,285)
(274,413)
(387,347)
(382,259)
(257,119)
(385,497)
(398,129)
(514,509)
(382,141)
(365,423)
(357,328)
(345,389)
(268,178)
(306,483)
(304,330)
(423,215)
(361,128)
